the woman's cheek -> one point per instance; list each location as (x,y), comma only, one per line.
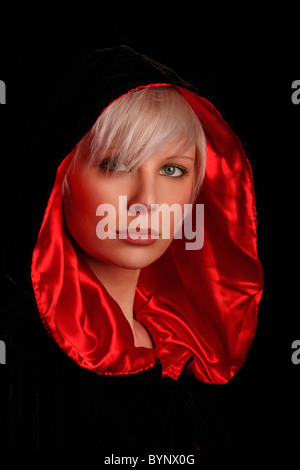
(80,215)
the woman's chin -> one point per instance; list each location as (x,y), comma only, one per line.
(129,255)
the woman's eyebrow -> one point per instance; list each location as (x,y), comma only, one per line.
(186,157)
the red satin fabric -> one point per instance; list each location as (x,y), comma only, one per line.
(195,304)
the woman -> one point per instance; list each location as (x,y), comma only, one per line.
(135,319)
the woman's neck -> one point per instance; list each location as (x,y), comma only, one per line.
(119,282)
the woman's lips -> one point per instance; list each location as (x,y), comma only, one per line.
(139,237)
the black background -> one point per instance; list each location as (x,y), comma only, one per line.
(246,68)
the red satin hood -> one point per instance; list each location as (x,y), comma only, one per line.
(199,306)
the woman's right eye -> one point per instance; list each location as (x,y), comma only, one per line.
(110,164)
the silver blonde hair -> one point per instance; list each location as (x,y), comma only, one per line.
(141,122)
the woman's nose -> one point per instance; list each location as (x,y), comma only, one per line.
(144,197)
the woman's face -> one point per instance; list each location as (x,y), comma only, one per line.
(164,178)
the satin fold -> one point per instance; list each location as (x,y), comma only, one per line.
(200,307)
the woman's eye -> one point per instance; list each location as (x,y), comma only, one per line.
(173,170)
(110,165)
(123,167)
